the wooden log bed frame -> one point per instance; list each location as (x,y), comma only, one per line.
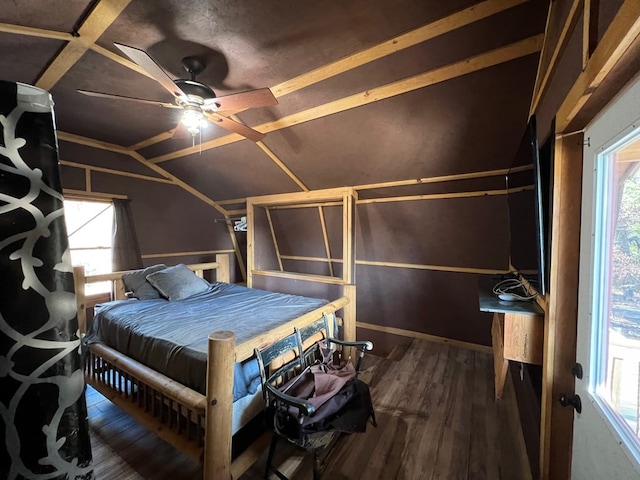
(175,412)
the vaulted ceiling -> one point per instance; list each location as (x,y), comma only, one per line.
(369,91)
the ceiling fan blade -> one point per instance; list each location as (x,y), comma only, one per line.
(235,127)
(143,59)
(131,99)
(238,101)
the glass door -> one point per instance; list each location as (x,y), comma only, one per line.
(606,440)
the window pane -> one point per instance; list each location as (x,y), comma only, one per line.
(89,226)
(618,286)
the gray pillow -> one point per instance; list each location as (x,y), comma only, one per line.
(177,283)
(136,282)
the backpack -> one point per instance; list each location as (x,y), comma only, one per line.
(342,401)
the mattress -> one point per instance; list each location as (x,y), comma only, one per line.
(171,337)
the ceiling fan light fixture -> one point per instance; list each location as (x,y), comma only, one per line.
(193,119)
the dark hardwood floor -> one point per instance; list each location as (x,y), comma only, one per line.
(437,419)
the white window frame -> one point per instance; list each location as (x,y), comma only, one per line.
(102,287)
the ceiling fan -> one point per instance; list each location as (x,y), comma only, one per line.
(198,102)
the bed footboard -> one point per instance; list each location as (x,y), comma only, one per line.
(174,412)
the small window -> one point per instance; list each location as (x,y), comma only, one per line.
(616,332)
(89,227)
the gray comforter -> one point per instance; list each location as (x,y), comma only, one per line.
(171,337)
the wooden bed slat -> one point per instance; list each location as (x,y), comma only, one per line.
(170,388)
(179,441)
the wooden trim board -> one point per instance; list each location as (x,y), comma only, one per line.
(186,254)
(572,18)
(622,31)
(425,336)
(87,194)
(103,14)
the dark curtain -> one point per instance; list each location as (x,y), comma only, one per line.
(125,248)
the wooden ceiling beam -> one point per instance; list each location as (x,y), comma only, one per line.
(63,62)
(67,37)
(622,31)
(427,32)
(438,179)
(111,171)
(180,183)
(332,203)
(90,142)
(543,51)
(567,28)
(438,196)
(161,137)
(101,17)
(275,159)
(439,75)
(282,166)
(234,213)
(85,194)
(233,201)
(35,32)
(489,59)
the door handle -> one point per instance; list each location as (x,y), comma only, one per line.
(571,400)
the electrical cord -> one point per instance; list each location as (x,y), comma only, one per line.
(513,287)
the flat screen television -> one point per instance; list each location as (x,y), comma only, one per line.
(529,201)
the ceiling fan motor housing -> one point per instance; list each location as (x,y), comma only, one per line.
(196,91)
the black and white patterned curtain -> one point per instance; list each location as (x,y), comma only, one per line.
(43,414)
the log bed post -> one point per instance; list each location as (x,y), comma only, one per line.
(79,284)
(349,317)
(349,312)
(217,443)
(223,272)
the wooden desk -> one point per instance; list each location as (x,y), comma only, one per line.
(517,332)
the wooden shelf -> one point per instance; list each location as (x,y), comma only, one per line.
(517,332)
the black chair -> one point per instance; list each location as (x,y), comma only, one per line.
(320,330)
(286,362)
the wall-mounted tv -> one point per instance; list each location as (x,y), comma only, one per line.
(529,201)
(544,177)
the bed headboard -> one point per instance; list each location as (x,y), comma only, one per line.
(221,267)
